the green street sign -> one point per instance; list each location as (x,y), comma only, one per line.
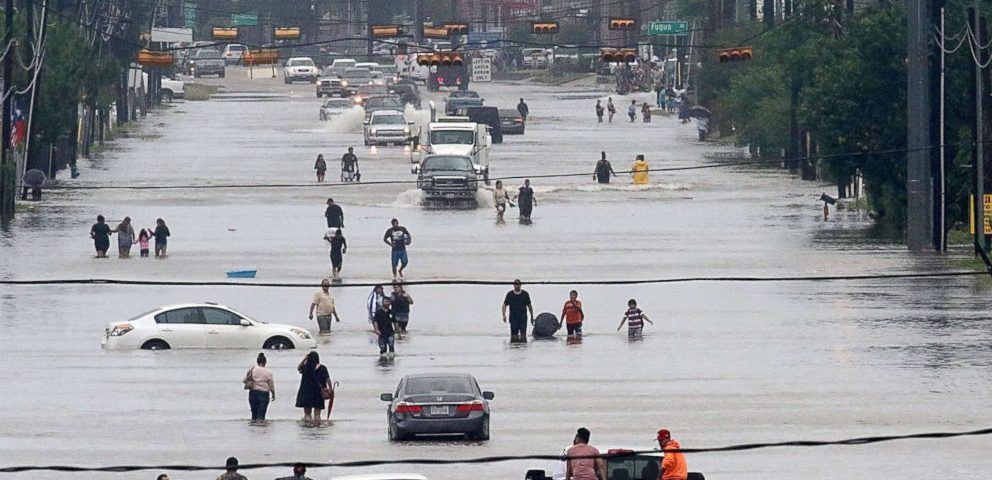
(668,28)
(244,20)
(189,15)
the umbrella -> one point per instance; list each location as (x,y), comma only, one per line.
(330,401)
(700,111)
(34,178)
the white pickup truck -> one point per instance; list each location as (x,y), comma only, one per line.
(456,136)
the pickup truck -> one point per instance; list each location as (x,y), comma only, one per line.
(171,89)
(206,62)
(621,464)
(448,181)
(300,68)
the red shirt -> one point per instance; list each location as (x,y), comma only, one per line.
(582,468)
(572,312)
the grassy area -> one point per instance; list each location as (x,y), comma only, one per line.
(196,92)
(546,77)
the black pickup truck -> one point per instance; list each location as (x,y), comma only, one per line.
(448,181)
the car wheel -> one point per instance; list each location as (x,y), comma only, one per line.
(319,94)
(395,434)
(155,345)
(278,343)
(165,95)
(483,433)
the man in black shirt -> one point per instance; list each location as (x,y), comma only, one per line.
(525,200)
(349,166)
(382,323)
(523,110)
(518,302)
(398,238)
(334,214)
(603,170)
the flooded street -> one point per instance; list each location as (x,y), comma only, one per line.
(724,362)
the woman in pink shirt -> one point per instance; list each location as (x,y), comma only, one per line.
(260,386)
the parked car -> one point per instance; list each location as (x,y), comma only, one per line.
(206,61)
(202,325)
(171,89)
(300,68)
(387,126)
(511,122)
(233,53)
(438,404)
(335,106)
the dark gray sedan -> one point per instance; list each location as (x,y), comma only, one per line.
(437,404)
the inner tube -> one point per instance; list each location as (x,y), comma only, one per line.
(545,325)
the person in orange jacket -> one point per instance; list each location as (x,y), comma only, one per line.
(673,465)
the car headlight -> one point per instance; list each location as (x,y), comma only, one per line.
(372,131)
(344,83)
(406,130)
(301,333)
(121,329)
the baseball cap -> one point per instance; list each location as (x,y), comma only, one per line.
(664,434)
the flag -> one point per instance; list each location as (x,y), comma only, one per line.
(18,126)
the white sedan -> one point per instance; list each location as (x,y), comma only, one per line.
(202,325)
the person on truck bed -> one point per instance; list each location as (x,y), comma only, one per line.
(673,466)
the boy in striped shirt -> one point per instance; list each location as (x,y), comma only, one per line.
(634,318)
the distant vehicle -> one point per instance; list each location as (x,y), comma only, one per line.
(202,325)
(340,65)
(233,53)
(456,136)
(391,72)
(364,92)
(378,78)
(335,106)
(387,126)
(488,116)
(317,53)
(357,77)
(171,89)
(448,181)
(381,102)
(370,66)
(300,68)
(535,57)
(451,105)
(464,94)
(645,466)
(206,61)
(511,122)
(329,85)
(408,93)
(438,404)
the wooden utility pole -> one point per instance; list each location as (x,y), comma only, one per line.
(7,170)
(919,194)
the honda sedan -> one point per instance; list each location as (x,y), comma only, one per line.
(436,404)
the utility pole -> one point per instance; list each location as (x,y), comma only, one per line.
(418,22)
(7,171)
(919,191)
(974,17)
(368,28)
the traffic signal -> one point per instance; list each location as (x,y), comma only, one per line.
(149,58)
(544,28)
(741,54)
(387,31)
(435,32)
(448,59)
(225,33)
(617,55)
(622,23)
(456,28)
(428,59)
(286,33)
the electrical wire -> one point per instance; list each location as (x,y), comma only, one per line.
(645,281)
(857,441)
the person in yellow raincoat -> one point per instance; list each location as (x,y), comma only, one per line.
(639,171)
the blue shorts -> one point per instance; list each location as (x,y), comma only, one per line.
(399,257)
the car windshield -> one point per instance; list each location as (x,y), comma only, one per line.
(373,90)
(448,137)
(429,385)
(465,94)
(508,113)
(388,120)
(466,102)
(208,54)
(338,103)
(300,62)
(236,48)
(357,74)
(384,102)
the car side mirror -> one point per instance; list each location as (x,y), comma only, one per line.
(488,395)
(386,397)
(245,323)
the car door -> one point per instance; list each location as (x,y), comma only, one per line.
(224,329)
(181,328)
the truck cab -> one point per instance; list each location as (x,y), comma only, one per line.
(448,181)
(460,137)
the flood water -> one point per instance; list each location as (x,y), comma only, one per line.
(723,363)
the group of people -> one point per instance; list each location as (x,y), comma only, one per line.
(396,236)
(315,391)
(100,232)
(517,303)
(585,462)
(632,110)
(349,167)
(639,172)
(524,198)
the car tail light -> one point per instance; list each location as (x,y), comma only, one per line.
(618,451)
(121,329)
(518,120)
(440,79)
(471,407)
(408,408)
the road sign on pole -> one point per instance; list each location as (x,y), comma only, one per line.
(659,27)
(244,20)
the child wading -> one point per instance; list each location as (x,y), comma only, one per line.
(143,237)
(635,319)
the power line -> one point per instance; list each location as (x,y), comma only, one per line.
(647,281)
(508,458)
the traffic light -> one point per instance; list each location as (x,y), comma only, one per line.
(286,33)
(448,59)
(225,33)
(149,58)
(456,28)
(741,54)
(435,32)
(387,31)
(428,59)
(622,23)
(544,28)
(617,55)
